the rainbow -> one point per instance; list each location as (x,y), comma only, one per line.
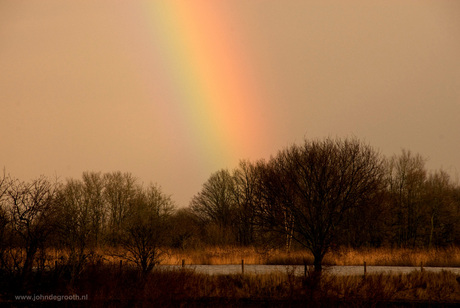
(207,82)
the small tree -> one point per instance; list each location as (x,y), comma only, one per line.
(146,229)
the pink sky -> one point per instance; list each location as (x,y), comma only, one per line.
(173,92)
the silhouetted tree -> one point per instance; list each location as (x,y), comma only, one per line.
(120,190)
(94,186)
(186,229)
(439,208)
(309,189)
(246,196)
(31,213)
(4,219)
(406,175)
(215,206)
(75,224)
(147,228)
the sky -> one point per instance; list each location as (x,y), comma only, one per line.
(172,91)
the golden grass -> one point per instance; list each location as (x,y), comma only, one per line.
(447,257)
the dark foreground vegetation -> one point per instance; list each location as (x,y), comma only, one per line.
(110,285)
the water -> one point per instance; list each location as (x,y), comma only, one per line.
(300,269)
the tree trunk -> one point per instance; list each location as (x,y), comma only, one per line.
(431,231)
(317,262)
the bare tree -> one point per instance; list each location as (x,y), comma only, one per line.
(309,189)
(439,209)
(120,190)
(406,175)
(94,194)
(246,196)
(147,228)
(215,206)
(4,218)
(75,224)
(31,212)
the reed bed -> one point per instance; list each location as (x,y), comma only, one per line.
(441,257)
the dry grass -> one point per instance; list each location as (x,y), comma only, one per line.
(234,255)
(447,257)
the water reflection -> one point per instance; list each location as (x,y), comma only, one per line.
(300,269)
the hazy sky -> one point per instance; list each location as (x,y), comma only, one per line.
(172,91)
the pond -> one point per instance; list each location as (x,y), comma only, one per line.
(300,269)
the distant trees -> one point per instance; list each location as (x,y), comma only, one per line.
(329,193)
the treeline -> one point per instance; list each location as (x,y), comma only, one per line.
(406,206)
(329,193)
(78,218)
(317,195)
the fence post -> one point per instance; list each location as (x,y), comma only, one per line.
(421,266)
(242,266)
(183,263)
(365,269)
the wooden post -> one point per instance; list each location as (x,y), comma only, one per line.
(365,269)
(183,263)
(421,266)
(242,266)
(305,270)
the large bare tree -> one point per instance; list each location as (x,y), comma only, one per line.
(309,189)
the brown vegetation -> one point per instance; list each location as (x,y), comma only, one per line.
(110,285)
(440,257)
